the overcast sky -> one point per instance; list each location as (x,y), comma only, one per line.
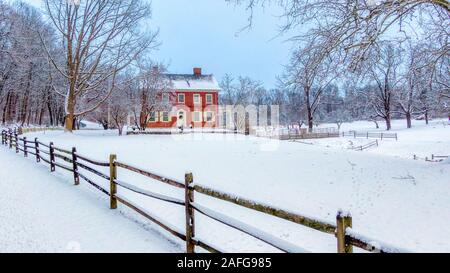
(206,33)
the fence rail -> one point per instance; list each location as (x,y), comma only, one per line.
(342,229)
(365,146)
(297,135)
(368,135)
(434,158)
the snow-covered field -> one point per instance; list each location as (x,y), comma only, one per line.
(421,140)
(392,197)
(41,212)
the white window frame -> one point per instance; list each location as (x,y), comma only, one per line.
(209,96)
(162,116)
(150,116)
(206,116)
(164,96)
(184,98)
(199,116)
(199,99)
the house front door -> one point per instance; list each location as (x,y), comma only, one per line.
(181,119)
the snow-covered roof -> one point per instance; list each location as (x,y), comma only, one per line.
(190,82)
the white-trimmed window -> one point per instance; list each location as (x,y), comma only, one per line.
(181,98)
(165,116)
(209,98)
(196,98)
(165,98)
(209,116)
(197,116)
(152,117)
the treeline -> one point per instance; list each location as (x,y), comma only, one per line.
(26,84)
(373,60)
(399,82)
(72,62)
(355,60)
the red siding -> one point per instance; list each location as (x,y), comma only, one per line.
(189,105)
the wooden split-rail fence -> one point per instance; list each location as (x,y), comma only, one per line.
(434,158)
(365,146)
(368,135)
(73,162)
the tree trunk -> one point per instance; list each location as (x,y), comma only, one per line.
(376,124)
(426,117)
(310,119)
(70,115)
(68,123)
(142,121)
(408,120)
(50,113)
(388,122)
(8,97)
(144,111)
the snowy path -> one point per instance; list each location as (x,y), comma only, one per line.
(49,214)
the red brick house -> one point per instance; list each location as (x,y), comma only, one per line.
(194,99)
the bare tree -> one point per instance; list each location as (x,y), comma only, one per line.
(150,84)
(442,78)
(383,71)
(24,71)
(407,94)
(100,38)
(311,71)
(355,26)
(237,94)
(121,102)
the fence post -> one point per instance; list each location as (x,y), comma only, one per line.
(343,221)
(17,142)
(381,136)
(10,138)
(52,157)
(112,184)
(76,178)
(36,143)
(190,220)
(3,137)
(367,135)
(25,152)
(432,156)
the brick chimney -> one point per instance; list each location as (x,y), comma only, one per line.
(197,71)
